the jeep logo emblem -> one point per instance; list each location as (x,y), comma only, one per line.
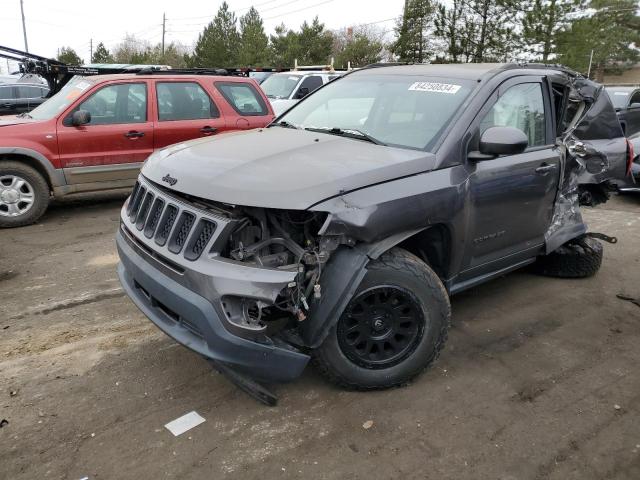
(169,179)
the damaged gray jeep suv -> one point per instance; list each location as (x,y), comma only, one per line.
(339,232)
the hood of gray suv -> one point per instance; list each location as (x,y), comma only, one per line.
(279,167)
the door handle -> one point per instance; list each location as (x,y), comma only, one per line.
(7,105)
(134,134)
(545,168)
(208,130)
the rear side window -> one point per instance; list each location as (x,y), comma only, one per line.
(27,91)
(522,107)
(243,98)
(184,101)
(6,92)
(310,83)
(114,104)
(635,99)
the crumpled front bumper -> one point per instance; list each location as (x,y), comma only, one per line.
(192,320)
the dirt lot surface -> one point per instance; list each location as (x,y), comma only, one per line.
(539,378)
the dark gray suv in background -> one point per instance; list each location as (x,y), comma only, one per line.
(21,97)
(339,232)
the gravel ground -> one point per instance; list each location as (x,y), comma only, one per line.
(538,380)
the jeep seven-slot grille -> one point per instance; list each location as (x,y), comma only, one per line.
(158,217)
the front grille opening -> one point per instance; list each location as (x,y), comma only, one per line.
(136,202)
(166,224)
(155,255)
(181,232)
(200,239)
(132,196)
(144,209)
(154,218)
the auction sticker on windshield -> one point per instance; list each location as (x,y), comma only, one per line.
(435,87)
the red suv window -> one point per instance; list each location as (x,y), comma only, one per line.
(243,98)
(184,101)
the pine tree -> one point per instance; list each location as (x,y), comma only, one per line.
(542,23)
(254,42)
(314,43)
(414,30)
(450,26)
(360,47)
(284,46)
(219,43)
(69,56)
(101,55)
(610,33)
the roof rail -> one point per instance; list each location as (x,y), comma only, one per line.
(180,71)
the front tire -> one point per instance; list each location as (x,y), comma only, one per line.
(24,194)
(393,328)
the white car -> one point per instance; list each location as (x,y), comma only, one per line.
(285,89)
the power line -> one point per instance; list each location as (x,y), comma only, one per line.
(299,10)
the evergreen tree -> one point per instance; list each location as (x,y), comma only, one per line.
(314,43)
(450,26)
(611,33)
(495,36)
(69,56)
(254,42)
(414,30)
(219,43)
(360,47)
(101,55)
(285,46)
(542,23)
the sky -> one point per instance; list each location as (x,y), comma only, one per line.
(53,24)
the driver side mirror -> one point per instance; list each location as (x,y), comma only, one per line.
(302,92)
(497,141)
(81,117)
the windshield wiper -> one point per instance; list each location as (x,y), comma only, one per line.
(347,132)
(285,124)
(24,115)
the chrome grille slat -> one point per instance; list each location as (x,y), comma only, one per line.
(144,209)
(154,218)
(181,232)
(136,203)
(168,226)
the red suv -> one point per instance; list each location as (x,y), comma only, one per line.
(97,131)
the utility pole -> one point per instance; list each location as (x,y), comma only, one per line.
(590,62)
(164,22)
(24,28)
(91,50)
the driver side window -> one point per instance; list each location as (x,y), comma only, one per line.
(522,107)
(113,104)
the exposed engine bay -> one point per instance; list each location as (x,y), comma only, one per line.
(278,239)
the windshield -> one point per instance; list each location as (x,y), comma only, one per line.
(61,100)
(403,111)
(619,97)
(280,86)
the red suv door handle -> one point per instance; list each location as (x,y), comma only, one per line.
(208,130)
(134,134)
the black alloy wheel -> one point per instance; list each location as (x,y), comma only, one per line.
(381,327)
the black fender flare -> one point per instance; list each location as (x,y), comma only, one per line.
(340,278)
(55,176)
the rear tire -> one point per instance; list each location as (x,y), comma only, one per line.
(578,258)
(403,309)
(24,194)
